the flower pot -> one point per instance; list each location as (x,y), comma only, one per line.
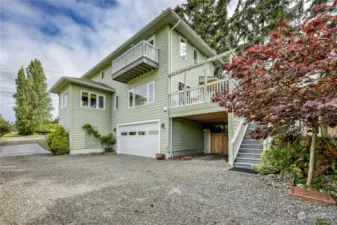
(160,156)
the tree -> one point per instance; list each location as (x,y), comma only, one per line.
(5,126)
(33,103)
(290,80)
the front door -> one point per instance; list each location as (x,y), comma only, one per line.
(219,143)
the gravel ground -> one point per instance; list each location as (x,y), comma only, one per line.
(115,189)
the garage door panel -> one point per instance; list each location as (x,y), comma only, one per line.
(140,139)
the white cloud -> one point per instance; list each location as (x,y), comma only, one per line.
(76,49)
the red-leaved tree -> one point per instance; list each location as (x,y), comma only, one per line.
(290,80)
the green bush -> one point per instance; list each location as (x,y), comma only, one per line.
(44,128)
(5,127)
(290,160)
(108,141)
(58,141)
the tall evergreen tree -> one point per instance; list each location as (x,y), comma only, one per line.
(33,103)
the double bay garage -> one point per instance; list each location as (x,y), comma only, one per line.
(141,139)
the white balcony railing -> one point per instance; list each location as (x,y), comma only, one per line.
(142,49)
(197,95)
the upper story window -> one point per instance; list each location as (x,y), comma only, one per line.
(92,100)
(102,74)
(64,100)
(142,95)
(195,56)
(116,102)
(183,47)
(152,40)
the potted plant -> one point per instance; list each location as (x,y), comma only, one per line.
(160,156)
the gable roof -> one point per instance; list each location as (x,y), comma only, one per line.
(168,17)
(63,81)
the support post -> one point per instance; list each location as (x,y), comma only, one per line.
(230,137)
(205,83)
(185,88)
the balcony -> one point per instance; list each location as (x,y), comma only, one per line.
(137,61)
(200,94)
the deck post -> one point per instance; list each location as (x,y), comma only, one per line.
(185,88)
(205,83)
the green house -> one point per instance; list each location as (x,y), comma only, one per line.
(137,94)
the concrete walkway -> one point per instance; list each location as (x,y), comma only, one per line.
(22,149)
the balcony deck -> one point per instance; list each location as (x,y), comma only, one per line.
(197,100)
(137,61)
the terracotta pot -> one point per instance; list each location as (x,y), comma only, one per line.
(160,156)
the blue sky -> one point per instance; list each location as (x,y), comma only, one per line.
(68,36)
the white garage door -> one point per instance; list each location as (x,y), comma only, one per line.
(141,139)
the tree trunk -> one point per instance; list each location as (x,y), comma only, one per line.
(324,127)
(312,155)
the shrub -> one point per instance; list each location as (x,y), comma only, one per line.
(58,141)
(5,127)
(290,160)
(44,128)
(108,141)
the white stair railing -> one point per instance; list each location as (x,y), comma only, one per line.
(236,141)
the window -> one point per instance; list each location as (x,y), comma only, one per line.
(142,95)
(64,100)
(153,132)
(151,40)
(116,102)
(141,133)
(92,100)
(101,102)
(124,133)
(102,74)
(132,133)
(181,86)
(195,56)
(85,99)
(183,47)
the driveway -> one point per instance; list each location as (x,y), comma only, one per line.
(116,189)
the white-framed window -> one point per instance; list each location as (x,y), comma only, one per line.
(92,100)
(195,56)
(64,100)
(152,40)
(142,95)
(102,74)
(116,102)
(183,47)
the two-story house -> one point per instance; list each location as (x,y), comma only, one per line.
(137,94)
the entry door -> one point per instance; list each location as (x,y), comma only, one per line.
(141,139)
(219,143)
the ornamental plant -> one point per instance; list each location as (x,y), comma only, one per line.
(108,140)
(290,81)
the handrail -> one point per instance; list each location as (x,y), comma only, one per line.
(237,140)
(208,84)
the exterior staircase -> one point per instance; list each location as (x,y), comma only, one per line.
(250,151)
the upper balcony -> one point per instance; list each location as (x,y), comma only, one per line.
(140,59)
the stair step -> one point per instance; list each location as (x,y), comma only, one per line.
(253,146)
(243,165)
(249,155)
(248,160)
(250,150)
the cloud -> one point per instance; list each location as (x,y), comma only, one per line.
(68,36)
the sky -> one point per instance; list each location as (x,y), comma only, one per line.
(68,36)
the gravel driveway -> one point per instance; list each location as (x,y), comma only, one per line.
(115,189)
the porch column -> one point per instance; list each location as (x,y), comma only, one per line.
(205,83)
(185,88)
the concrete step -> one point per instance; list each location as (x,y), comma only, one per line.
(248,160)
(250,150)
(243,165)
(253,146)
(249,155)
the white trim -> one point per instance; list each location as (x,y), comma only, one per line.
(179,44)
(147,95)
(89,101)
(86,151)
(137,123)
(153,37)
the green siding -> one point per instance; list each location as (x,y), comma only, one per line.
(145,112)
(65,114)
(99,118)
(187,138)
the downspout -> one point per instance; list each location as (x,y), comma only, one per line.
(169,84)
